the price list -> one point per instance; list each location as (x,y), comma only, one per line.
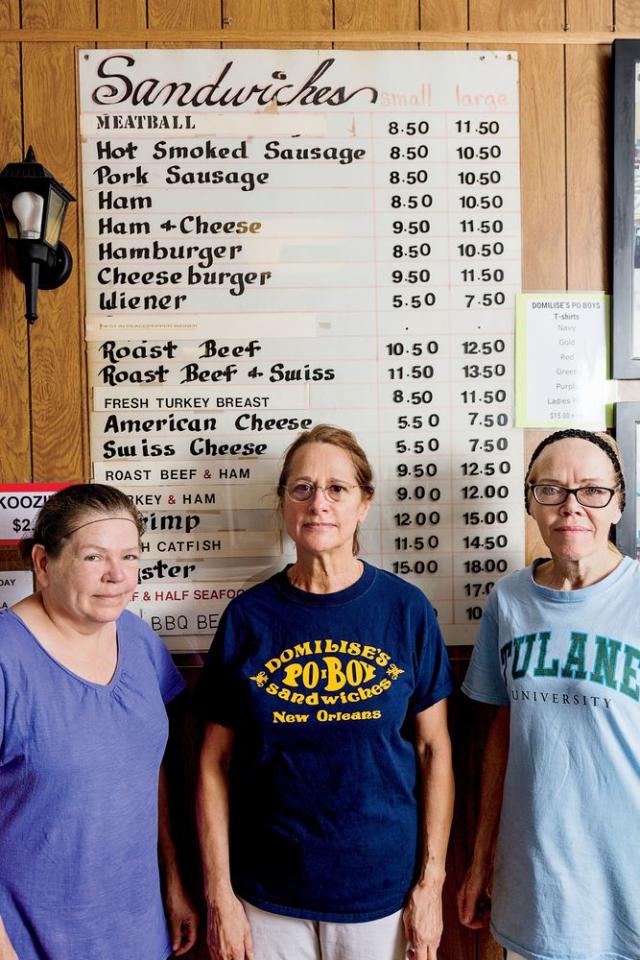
(276,239)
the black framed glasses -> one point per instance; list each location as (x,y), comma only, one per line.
(552,495)
(302,490)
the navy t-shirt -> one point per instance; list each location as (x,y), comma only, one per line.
(321,692)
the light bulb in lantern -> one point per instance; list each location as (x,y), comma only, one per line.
(28,207)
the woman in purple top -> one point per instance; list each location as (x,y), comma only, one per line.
(83,728)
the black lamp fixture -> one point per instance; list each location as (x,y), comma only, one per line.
(33,206)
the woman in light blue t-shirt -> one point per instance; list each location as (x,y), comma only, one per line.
(83,728)
(555,862)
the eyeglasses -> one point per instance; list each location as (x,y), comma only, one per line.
(552,495)
(301,491)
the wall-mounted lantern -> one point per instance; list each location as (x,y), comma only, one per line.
(33,206)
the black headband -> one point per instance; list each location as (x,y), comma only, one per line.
(593,438)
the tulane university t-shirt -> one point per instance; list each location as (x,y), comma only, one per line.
(321,691)
(567,663)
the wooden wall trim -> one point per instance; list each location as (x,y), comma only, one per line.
(267,37)
(565,82)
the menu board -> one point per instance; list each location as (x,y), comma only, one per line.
(277,239)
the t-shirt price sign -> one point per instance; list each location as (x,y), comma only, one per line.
(276,239)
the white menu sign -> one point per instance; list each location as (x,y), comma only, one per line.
(15,585)
(276,239)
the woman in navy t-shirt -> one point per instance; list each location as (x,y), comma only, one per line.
(326,789)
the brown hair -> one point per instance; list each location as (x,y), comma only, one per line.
(63,512)
(337,437)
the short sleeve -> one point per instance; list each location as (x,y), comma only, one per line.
(170,680)
(217,696)
(434,678)
(484,680)
(3,698)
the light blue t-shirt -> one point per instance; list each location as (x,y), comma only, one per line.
(567,874)
(79,798)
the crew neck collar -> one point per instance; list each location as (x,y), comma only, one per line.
(346,595)
(575,596)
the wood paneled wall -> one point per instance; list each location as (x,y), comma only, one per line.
(564,50)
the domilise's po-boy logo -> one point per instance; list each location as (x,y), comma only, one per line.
(328,672)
